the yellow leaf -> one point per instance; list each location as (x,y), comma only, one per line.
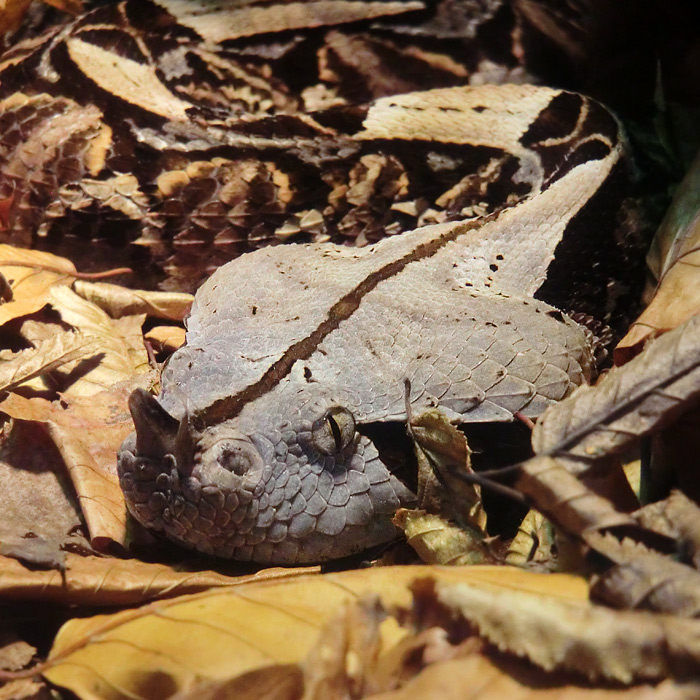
(119,301)
(168,338)
(134,653)
(437,541)
(477,677)
(533,542)
(106,581)
(31,275)
(48,355)
(121,342)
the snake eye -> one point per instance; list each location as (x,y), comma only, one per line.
(333,432)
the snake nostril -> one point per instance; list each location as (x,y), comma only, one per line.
(236,458)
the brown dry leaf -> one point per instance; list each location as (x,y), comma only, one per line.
(88,434)
(12,13)
(122,355)
(14,652)
(26,690)
(37,499)
(166,338)
(685,516)
(47,356)
(71,6)
(642,579)
(627,403)
(437,541)
(674,262)
(678,518)
(345,654)
(600,643)
(281,682)
(477,677)
(31,281)
(92,581)
(443,450)
(119,301)
(533,542)
(238,630)
(565,500)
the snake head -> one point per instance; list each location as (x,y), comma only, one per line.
(309,490)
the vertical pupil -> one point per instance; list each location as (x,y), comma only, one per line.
(335,430)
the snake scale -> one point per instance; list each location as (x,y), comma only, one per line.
(177,134)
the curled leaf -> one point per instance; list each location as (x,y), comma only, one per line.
(533,542)
(674,261)
(437,541)
(31,275)
(442,450)
(47,356)
(595,641)
(167,338)
(627,403)
(650,582)
(565,500)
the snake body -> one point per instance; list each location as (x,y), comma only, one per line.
(255,449)
(179,134)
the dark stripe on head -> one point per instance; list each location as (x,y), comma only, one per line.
(230,406)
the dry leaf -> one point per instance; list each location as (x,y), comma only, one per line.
(47,356)
(71,6)
(36,495)
(678,518)
(12,13)
(346,652)
(642,579)
(437,541)
(674,262)
(241,629)
(87,434)
(443,450)
(14,652)
(123,354)
(119,301)
(627,403)
(281,682)
(92,581)
(26,690)
(166,338)
(31,281)
(478,677)
(565,500)
(577,636)
(533,542)
(685,516)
